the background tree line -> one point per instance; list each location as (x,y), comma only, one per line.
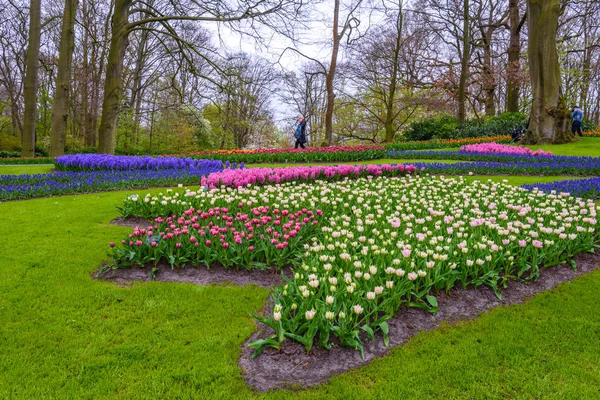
(155,76)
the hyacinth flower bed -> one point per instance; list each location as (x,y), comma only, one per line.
(380,244)
(499,157)
(585,188)
(503,149)
(14,187)
(100,162)
(285,155)
(255,176)
(583,166)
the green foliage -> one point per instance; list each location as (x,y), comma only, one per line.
(447,127)
(588,125)
(436,128)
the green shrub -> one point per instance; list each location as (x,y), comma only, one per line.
(447,127)
(436,128)
(588,125)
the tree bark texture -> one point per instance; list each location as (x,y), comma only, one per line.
(550,116)
(464,65)
(113,84)
(390,130)
(514,53)
(60,108)
(331,75)
(31,80)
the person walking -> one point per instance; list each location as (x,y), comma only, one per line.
(577,116)
(300,133)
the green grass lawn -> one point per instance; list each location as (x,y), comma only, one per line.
(583,147)
(26,169)
(65,335)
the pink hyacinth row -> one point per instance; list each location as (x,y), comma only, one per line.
(243,177)
(502,148)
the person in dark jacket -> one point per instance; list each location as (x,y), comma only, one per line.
(577,116)
(300,133)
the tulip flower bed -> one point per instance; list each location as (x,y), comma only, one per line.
(100,162)
(262,237)
(236,178)
(14,187)
(586,188)
(591,134)
(494,147)
(286,155)
(380,244)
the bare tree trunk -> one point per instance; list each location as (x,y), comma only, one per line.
(60,107)
(136,91)
(488,76)
(464,65)
(390,130)
(549,114)
(113,83)
(31,80)
(514,53)
(331,75)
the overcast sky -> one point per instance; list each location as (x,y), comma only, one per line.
(314,40)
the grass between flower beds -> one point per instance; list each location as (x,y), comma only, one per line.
(65,335)
(25,169)
(584,147)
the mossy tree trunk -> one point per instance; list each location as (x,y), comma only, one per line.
(31,80)
(113,83)
(550,116)
(60,107)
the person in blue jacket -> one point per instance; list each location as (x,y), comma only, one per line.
(577,116)
(300,133)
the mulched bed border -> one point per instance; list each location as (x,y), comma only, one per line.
(293,368)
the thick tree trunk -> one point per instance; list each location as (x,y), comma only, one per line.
(514,53)
(390,130)
(113,90)
(330,77)
(488,77)
(549,113)
(31,80)
(60,107)
(464,66)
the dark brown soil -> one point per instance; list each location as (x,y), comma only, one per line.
(292,367)
(132,222)
(199,276)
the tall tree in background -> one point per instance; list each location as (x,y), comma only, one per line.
(350,22)
(206,11)
(464,65)
(60,107)
(549,113)
(31,79)
(516,22)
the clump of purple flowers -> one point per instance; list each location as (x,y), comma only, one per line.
(101,162)
(587,188)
